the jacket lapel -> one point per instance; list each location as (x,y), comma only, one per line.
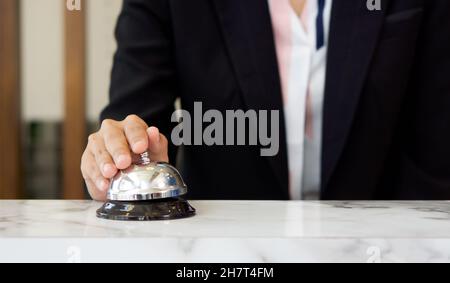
(247,30)
(353,37)
(354,30)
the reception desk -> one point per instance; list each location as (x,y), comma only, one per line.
(230,231)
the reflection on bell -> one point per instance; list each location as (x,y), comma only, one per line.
(146,191)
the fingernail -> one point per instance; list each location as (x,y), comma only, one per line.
(108,170)
(123,160)
(139,147)
(154,131)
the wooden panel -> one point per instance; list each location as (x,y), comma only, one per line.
(10,125)
(74,132)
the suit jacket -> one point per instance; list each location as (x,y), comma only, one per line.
(386,121)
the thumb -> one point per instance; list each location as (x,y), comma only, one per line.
(157,145)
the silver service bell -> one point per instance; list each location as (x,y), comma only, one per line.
(146,180)
(146,191)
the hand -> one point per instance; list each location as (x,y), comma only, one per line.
(109,150)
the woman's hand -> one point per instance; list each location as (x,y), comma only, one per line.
(109,150)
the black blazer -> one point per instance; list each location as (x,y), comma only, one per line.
(386,131)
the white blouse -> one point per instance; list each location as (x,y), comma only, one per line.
(302,67)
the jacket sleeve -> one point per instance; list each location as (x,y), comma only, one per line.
(143,80)
(425,167)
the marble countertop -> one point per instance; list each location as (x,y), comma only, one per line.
(230,231)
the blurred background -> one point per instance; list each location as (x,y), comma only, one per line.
(55,69)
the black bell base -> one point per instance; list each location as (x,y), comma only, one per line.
(162,209)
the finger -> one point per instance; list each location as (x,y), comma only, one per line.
(158,145)
(91,172)
(135,132)
(95,193)
(102,158)
(117,146)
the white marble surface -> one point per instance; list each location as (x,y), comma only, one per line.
(230,231)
